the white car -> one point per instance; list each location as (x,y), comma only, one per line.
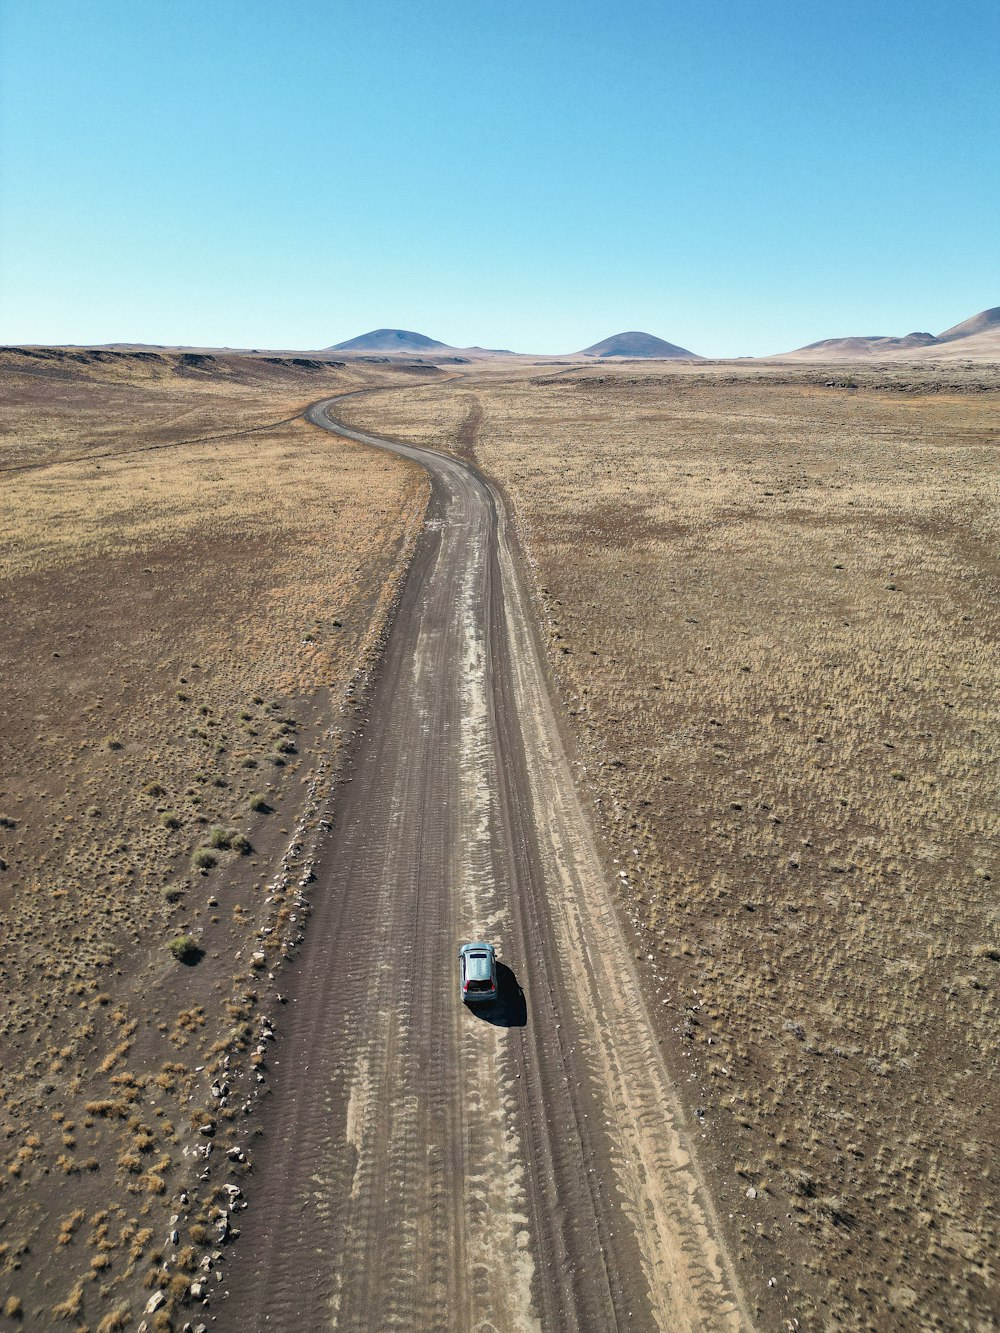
(477,964)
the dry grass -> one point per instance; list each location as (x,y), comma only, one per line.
(770,602)
(180,622)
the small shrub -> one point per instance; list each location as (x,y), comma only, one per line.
(171,893)
(220,838)
(169,820)
(108,1110)
(117,1319)
(71,1306)
(259,805)
(185,949)
(204,859)
(187,1259)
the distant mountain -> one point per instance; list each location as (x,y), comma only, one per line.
(873,344)
(987,321)
(638,344)
(977,338)
(390,340)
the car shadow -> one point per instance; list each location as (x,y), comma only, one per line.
(509,1009)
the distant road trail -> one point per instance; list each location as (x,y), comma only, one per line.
(427,1167)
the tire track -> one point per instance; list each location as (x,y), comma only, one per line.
(428,1167)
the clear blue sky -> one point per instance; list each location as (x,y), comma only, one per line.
(737,177)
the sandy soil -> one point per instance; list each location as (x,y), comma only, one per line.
(421,1165)
(770,600)
(189,590)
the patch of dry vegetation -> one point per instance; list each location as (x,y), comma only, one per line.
(182,615)
(770,603)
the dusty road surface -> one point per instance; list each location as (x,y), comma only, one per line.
(424,1166)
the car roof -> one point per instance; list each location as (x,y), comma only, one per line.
(480,945)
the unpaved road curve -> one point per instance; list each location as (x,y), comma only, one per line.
(427,1167)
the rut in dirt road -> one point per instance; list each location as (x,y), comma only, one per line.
(422,1165)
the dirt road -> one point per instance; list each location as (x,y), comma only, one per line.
(422,1165)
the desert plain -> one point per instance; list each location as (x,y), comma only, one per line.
(768,600)
(192,580)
